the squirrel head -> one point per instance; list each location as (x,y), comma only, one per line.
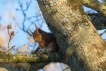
(37,35)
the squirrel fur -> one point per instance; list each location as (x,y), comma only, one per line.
(46,41)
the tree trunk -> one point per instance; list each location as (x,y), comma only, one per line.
(73,30)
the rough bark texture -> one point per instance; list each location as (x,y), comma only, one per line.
(8,57)
(73,30)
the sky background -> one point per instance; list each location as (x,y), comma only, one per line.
(8,11)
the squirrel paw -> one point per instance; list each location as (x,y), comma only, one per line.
(40,54)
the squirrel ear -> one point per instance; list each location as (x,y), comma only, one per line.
(37,28)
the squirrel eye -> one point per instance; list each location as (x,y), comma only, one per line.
(37,34)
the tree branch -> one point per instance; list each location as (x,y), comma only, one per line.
(96,5)
(8,57)
(98,20)
(67,18)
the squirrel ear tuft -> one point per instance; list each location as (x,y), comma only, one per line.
(36,27)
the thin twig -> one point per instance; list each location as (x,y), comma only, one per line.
(10,37)
(11,48)
(103,33)
(26,18)
(28,68)
(23,11)
(22,45)
(21,28)
(66,68)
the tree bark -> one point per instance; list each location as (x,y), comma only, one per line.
(9,57)
(74,30)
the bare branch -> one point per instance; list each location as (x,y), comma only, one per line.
(23,12)
(9,39)
(22,28)
(25,17)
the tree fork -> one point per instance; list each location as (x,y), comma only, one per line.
(73,24)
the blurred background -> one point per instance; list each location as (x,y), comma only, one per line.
(21,15)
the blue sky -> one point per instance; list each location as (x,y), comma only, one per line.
(8,9)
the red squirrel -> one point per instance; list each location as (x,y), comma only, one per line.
(46,41)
